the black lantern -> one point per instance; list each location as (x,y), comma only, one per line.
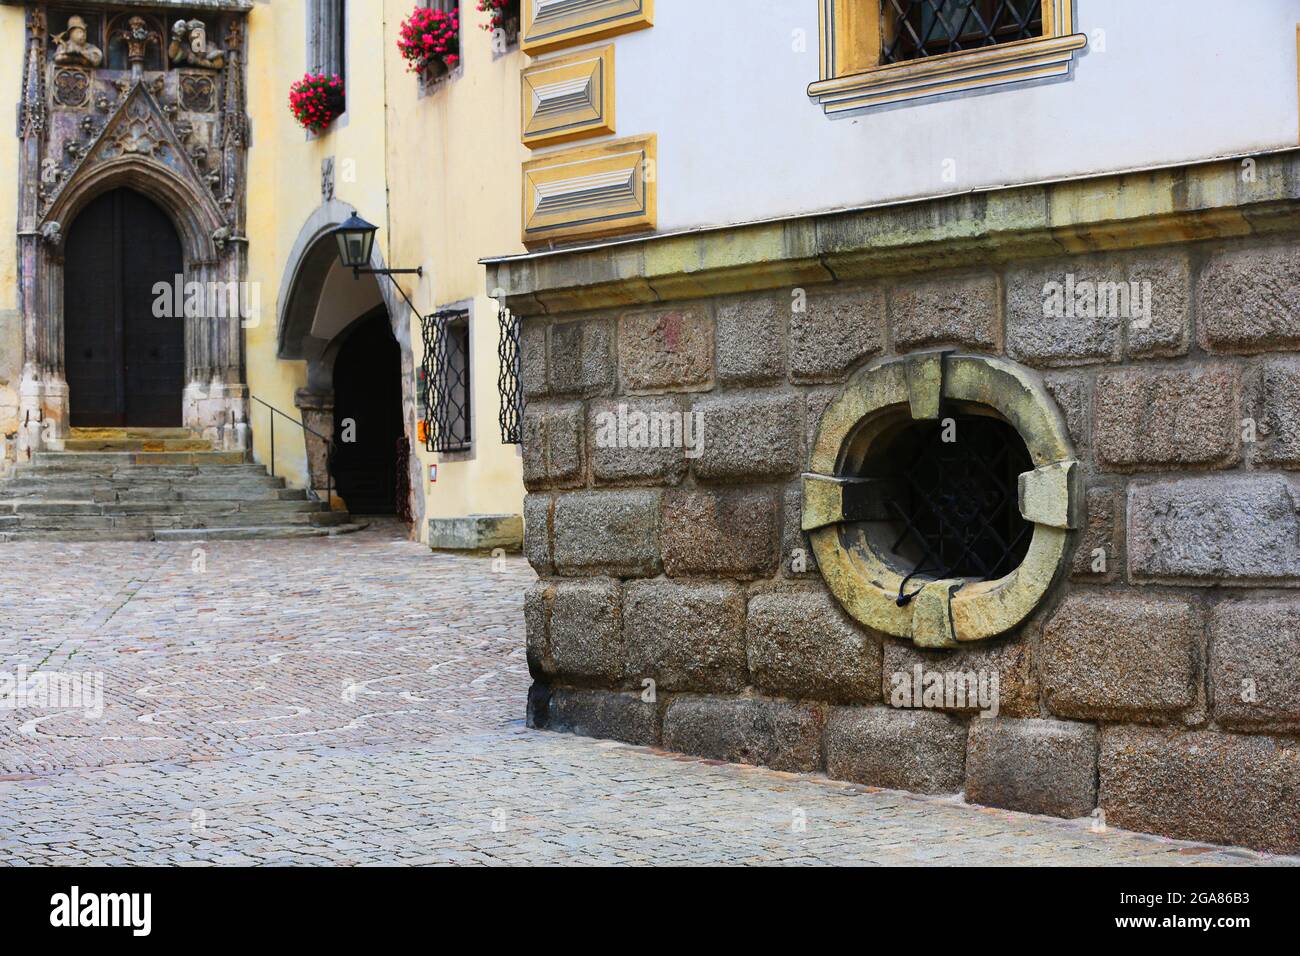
(356,240)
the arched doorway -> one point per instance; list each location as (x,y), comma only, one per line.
(125,364)
(369,458)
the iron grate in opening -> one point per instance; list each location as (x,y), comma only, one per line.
(509,385)
(445,381)
(914,29)
(956,510)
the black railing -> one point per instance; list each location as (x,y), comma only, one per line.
(329,478)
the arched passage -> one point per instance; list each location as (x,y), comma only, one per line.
(370,452)
(124,347)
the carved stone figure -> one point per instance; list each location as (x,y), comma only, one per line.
(52,234)
(74,47)
(189,46)
(138,38)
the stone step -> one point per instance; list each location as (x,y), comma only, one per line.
(145,522)
(272,506)
(153,434)
(100,458)
(249,533)
(136,445)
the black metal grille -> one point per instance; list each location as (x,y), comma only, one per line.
(509,385)
(956,509)
(445,381)
(913,29)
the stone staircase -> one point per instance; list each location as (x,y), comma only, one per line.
(154,484)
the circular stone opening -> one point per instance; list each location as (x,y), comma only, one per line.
(946,497)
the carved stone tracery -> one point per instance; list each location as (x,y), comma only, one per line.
(103,106)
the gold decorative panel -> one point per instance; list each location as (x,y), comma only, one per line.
(554,24)
(568,98)
(600,190)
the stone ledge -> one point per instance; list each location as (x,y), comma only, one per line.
(1198,201)
(477,533)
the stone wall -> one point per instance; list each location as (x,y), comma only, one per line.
(679,604)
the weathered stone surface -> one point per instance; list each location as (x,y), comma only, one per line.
(1217,788)
(1166,332)
(537,533)
(835,333)
(665,350)
(752,341)
(800,644)
(919,750)
(797,559)
(1038,330)
(1034,766)
(476,533)
(532,358)
(1073,395)
(1255,664)
(1248,300)
(586,634)
(553,446)
(1009,661)
(579,360)
(1097,557)
(963,311)
(767,733)
(725,532)
(640,440)
(817,400)
(613,532)
(609,715)
(538,647)
(686,637)
(750,435)
(1277,414)
(1186,417)
(1229,529)
(1121,656)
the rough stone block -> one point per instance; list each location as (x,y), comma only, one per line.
(963,311)
(1034,766)
(801,645)
(834,333)
(1228,529)
(640,440)
(1005,666)
(532,358)
(537,533)
(750,435)
(538,647)
(1044,329)
(1255,664)
(1073,395)
(686,637)
(579,358)
(608,715)
(723,532)
(919,750)
(1166,279)
(665,350)
(1248,300)
(797,559)
(752,341)
(1212,787)
(553,446)
(1163,418)
(774,734)
(586,634)
(476,533)
(1277,414)
(1097,557)
(1121,656)
(612,532)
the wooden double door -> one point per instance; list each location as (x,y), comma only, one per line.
(124,345)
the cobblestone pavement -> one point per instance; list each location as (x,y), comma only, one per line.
(359,700)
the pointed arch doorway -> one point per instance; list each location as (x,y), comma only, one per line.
(125,364)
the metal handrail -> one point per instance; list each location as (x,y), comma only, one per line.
(329,444)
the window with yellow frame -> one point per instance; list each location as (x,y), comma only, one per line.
(878,52)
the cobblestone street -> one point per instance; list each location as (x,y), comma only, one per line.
(360,700)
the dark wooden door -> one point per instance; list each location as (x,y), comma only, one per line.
(125,365)
(368,393)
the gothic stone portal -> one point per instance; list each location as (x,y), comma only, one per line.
(167,138)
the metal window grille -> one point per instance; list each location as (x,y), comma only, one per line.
(956,509)
(445,381)
(509,382)
(913,29)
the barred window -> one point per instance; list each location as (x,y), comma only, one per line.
(919,28)
(445,381)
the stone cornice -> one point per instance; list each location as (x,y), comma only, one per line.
(1216,199)
(234,6)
